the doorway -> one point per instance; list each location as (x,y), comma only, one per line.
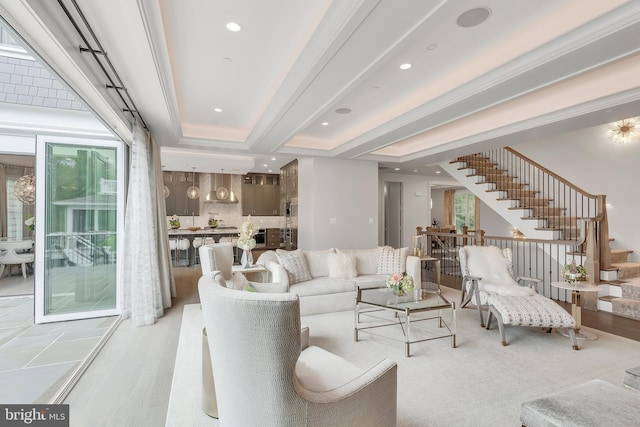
(16,236)
(393,214)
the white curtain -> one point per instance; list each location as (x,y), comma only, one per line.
(147,283)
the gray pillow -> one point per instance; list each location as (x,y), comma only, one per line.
(295,264)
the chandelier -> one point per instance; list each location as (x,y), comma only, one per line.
(25,189)
(624,131)
(193,192)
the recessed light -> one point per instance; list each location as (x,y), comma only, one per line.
(265,165)
(437,171)
(432,46)
(325,123)
(396,169)
(473,17)
(270,170)
(218,110)
(405,66)
(233,26)
(273,158)
(415,170)
(343,110)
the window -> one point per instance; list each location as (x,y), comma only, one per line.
(14,212)
(465,210)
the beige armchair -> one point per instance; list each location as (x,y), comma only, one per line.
(262,377)
(10,256)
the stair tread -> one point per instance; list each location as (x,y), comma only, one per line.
(628,301)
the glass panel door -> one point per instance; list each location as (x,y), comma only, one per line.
(76,239)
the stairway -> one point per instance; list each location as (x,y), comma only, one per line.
(530,205)
(620,284)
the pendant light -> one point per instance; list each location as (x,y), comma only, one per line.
(193,192)
(222,192)
(25,189)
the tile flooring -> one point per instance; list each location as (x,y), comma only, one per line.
(37,361)
(15,284)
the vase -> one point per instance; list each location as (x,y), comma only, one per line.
(247,258)
(399,292)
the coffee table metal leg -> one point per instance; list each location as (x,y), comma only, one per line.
(355,322)
(408,337)
(453,325)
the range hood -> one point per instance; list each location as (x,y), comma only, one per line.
(218,181)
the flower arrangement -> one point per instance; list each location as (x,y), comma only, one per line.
(573,272)
(174,222)
(400,283)
(247,231)
(30,223)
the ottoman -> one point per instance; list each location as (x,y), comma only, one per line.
(534,311)
(595,403)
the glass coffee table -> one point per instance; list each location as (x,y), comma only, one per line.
(407,311)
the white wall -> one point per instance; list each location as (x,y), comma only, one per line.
(342,190)
(591,161)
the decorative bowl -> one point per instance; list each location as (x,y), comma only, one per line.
(193,228)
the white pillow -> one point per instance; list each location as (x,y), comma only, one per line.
(318,262)
(295,264)
(342,266)
(391,260)
(238,282)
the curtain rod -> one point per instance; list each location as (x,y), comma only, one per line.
(130,107)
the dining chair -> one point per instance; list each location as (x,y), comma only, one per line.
(11,256)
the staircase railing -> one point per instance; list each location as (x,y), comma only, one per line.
(555,202)
(531,257)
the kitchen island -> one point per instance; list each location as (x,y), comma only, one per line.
(202,233)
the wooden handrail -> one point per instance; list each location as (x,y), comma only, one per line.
(558,177)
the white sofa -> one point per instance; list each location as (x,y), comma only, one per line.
(323,293)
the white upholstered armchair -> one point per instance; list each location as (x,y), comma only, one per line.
(262,377)
(219,257)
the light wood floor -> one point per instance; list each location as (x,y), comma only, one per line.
(128,383)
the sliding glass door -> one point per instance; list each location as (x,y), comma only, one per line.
(77,225)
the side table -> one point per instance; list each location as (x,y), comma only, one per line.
(576,306)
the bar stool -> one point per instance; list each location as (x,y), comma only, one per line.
(173,245)
(197,242)
(183,245)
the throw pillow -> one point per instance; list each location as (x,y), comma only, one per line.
(391,260)
(342,266)
(238,282)
(295,264)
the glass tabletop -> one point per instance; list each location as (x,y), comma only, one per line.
(416,300)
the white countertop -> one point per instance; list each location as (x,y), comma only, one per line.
(203,231)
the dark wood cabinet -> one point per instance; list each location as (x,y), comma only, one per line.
(260,195)
(272,238)
(178,203)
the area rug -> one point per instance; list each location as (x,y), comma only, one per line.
(478,383)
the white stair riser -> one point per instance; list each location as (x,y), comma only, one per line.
(605,306)
(608,275)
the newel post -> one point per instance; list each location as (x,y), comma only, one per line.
(603,233)
(592,263)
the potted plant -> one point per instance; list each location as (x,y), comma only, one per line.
(174,222)
(574,273)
